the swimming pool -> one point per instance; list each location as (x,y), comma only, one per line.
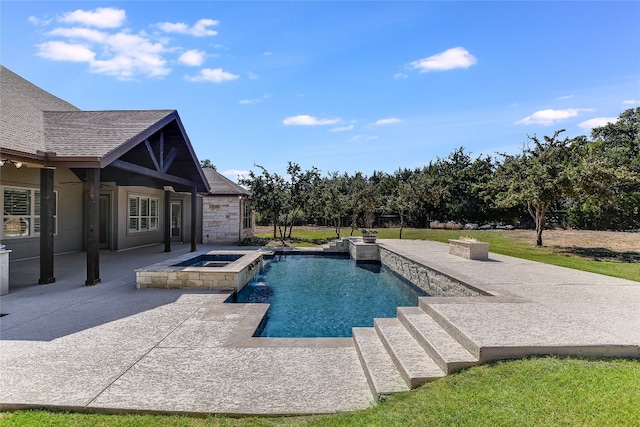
(320,296)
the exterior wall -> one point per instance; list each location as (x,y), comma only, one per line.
(70,210)
(126,239)
(185,200)
(222,219)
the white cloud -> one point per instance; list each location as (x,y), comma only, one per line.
(130,55)
(400,76)
(342,128)
(631,102)
(102,17)
(192,57)
(61,51)
(120,54)
(389,121)
(199,29)
(363,138)
(597,122)
(549,117)
(254,100)
(215,75)
(305,120)
(37,21)
(562,98)
(267,53)
(80,33)
(457,57)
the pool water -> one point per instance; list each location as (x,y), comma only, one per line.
(209,260)
(319,296)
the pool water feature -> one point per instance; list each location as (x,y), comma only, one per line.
(209,260)
(320,296)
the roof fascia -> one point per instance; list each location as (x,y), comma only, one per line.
(140,138)
(192,153)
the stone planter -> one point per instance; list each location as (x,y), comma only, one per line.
(469,249)
(369,236)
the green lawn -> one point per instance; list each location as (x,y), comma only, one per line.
(499,241)
(548,391)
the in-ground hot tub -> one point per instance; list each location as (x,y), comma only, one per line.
(224,270)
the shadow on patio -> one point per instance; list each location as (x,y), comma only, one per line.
(45,312)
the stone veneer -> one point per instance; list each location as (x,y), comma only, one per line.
(363,252)
(230,277)
(222,220)
(431,281)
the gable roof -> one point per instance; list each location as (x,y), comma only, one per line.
(143,147)
(96,133)
(21,107)
(222,186)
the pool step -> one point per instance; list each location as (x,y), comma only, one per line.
(437,342)
(382,375)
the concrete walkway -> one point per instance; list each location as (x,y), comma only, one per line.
(115,348)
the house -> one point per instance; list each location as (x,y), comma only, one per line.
(227,216)
(74,180)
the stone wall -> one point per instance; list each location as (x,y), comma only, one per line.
(222,220)
(364,252)
(431,281)
(233,277)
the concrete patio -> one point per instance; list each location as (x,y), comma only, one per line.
(112,347)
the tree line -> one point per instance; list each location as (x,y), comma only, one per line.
(586,183)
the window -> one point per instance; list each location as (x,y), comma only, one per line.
(21,212)
(246,216)
(143,213)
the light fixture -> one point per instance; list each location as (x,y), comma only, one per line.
(16,163)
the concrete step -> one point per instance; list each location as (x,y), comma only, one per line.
(414,364)
(452,329)
(444,349)
(382,375)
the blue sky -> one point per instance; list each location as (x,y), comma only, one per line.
(340,85)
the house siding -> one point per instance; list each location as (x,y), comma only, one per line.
(69,236)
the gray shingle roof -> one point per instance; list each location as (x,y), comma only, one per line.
(221,185)
(95,133)
(21,107)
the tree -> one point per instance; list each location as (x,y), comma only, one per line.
(609,175)
(206,163)
(539,177)
(269,194)
(299,188)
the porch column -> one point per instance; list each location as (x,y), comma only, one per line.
(167,220)
(194,217)
(47,226)
(93,226)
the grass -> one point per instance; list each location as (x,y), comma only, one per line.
(549,391)
(500,242)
